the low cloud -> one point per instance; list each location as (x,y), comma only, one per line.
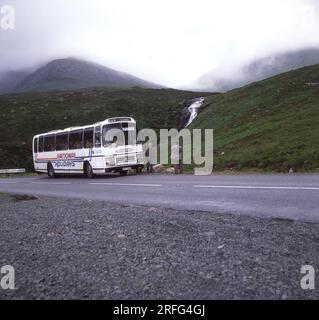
(169,42)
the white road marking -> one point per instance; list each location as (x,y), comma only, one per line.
(8,182)
(255,187)
(126,184)
(52,183)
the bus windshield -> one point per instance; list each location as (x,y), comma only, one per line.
(128,130)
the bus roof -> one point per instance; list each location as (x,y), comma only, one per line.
(107,121)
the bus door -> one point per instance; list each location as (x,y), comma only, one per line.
(97,154)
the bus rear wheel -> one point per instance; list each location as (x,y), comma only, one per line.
(51,172)
(123,173)
(88,171)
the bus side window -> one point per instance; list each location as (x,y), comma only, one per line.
(49,143)
(88,138)
(41,144)
(35,145)
(62,141)
(97,137)
(76,140)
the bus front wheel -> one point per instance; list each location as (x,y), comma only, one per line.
(51,172)
(88,171)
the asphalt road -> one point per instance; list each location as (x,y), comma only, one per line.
(293,197)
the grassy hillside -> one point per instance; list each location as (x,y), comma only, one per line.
(272,124)
(24,115)
(269,125)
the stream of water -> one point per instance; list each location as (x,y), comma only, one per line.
(193,109)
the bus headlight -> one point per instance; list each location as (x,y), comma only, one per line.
(140,157)
(110,161)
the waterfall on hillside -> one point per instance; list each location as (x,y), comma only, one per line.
(193,109)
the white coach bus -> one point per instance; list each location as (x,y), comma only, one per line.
(85,150)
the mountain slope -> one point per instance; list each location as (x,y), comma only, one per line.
(271,124)
(260,69)
(9,80)
(70,74)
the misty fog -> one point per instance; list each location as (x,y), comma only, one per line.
(173,43)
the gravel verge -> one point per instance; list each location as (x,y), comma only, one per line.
(76,249)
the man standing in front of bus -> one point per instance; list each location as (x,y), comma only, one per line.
(150,154)
(176,158)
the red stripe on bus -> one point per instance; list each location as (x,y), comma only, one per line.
(37,159)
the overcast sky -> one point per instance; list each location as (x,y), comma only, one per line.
(172,42)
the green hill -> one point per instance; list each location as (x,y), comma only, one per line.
(26,114)
(271,124)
